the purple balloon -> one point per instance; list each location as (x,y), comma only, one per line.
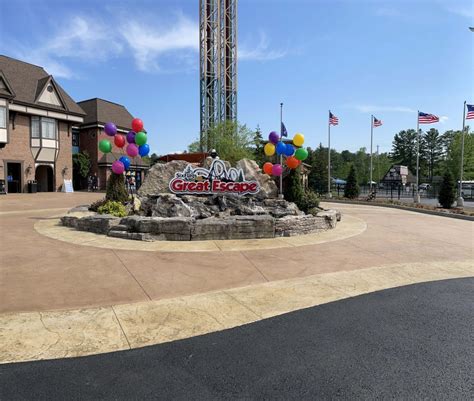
(132,150)
(110,129)
(273,137)
(118,167)
(277,169)
(131,137)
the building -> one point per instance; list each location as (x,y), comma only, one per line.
(86,137)
(398,175)
(36,119)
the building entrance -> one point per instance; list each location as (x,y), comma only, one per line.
(44,178)
(13,177)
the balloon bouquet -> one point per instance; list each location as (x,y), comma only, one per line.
(136,140)
(293,152)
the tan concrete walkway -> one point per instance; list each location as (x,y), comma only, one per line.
(78,300)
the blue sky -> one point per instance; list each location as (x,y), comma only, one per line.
(356,58)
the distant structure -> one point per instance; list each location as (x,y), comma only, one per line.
(218,64)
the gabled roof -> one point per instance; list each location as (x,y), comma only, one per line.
(5,88)
(25,80)
(100,111)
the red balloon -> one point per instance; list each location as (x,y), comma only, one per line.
(267,168)
(137,125)
(119,140)
(292,162)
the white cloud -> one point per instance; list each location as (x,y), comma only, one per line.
(443,119)
(466,11)
(260,52)
(365,108)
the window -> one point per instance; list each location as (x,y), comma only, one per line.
(43,127)
(3,117)
(75,137)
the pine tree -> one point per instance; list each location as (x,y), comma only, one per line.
(447,192)
(294,191)
(351,190)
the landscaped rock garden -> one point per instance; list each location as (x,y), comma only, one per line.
(158,214)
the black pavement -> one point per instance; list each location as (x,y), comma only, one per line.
(413,342)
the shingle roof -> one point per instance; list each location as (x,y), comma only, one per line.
(26,80)
(102,111)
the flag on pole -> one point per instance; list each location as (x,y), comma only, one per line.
(425,118)
(333,120)
(470,111)
(283,130)
(377,123)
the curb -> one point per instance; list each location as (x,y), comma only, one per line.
(407,208)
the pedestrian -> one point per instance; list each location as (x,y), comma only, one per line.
(94,182)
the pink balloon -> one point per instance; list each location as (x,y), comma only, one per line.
(118,167)
(277,169)
(132,150)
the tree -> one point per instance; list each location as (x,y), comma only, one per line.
(116,190)
(294,191)
(231,140)
(404,149)
(82,163)
(453,155)
(351,190)
(447,192)
(433,145)
(318,175)
(258,143)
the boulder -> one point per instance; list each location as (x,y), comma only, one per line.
(236,227)
(252,171)
(157,180)
(99,223)
(290,226)
(330,216)
(169,205)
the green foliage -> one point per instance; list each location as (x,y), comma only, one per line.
(94,207)
(433,146)
(447,192)
(318,176)
(351,190)
(404,149)
(453,157)
(116,209)
(231,140)
(294,191)
(82,163)
(258,144)
(116,190)
(309,203)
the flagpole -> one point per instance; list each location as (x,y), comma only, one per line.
(371,146)
(460,202)
(417,195)
(281,156)
(329,156)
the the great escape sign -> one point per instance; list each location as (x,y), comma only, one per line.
(213,181)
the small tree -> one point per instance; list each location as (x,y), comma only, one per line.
(82,163)
(116,190)
(447,192)
(351,190)
(294,191)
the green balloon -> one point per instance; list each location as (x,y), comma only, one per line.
(301,154)
(105,146)
(140,138)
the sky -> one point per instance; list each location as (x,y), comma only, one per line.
(354,57)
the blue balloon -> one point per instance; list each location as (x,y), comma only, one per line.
(144,149)
(126,162)
(289,150)
(280,148)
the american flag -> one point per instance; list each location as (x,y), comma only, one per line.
(377,123)
(333,120)
(470,111)
(424,118)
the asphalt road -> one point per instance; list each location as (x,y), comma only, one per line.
(413,342)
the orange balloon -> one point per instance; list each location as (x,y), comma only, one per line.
(292,162)
(267,168)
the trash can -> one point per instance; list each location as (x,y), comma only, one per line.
(2,188)
(32,187)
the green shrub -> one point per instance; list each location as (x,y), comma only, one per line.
(351,190)
(447,192)
(309,203)
(116,209)
(95,206)
(294,191)
(116,190)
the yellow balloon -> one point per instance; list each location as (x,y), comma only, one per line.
(298,139)
(269,149)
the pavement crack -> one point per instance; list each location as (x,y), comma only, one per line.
(121,328)
(254,266)
(131,274)
(243,305)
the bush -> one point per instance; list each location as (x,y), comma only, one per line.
(114,208)
(116,190)
(294,191)
(309,203)
(95,206)
(447,192)
(351,190)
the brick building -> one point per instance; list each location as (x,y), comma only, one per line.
(36,119)
(86,137)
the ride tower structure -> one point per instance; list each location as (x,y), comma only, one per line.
(218,65)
